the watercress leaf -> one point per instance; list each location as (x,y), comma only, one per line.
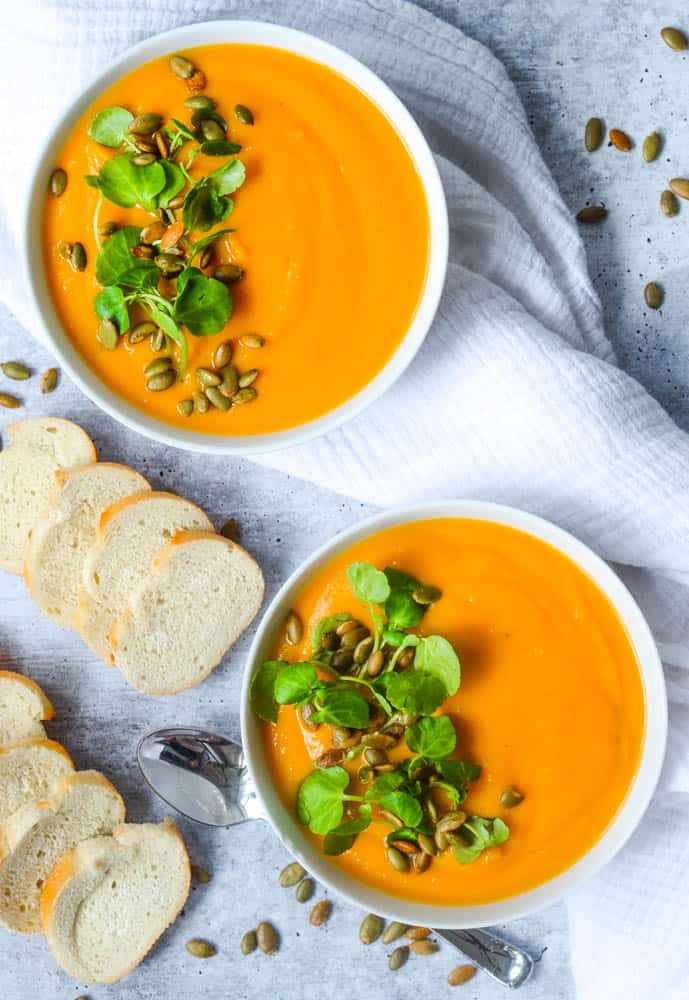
(392,637)
(229,176)
(432,736)
(262,690)
(455,795)
(458,772)
(436,655)
(401,609)
(92,180)
(343,707)
(342,838)
(415,692)
(127,185)
(203,304)
(479,833)
(294,683)
(170,328)
(110,304)
(368,583)
(110,125)
(206,241)
(319,799)
(404,806)
(204,206)
(384,784)
(116,266)
(324,626)
(174,182)
(183,129)
(219,147)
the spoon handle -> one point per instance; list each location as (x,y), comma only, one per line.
(506,963)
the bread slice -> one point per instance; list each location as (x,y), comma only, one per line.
(108,901)
(202,592)
(131,531)
(64,533)
(28,771)
(22,707)
(34,838)
(38,448)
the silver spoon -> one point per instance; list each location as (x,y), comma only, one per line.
(204,776)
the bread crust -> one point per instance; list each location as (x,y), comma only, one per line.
(47,706)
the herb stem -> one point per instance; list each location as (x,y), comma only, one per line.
(96,220)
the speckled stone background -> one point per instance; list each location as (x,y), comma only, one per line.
(569,61)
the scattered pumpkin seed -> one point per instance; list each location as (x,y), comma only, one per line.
(172,235)
(199,102)
(231,528)
(305,890)
(200,874)
(222,354)
(426,843)
(176,202)
(291,874)
(393,931)
(450,821)
(143,159)
(461,975)
(200,949)
(294,629)
(212,131)
(267,938)
(375,757)
(342,659)
(651,147)
(140,332)
(9,402)
(398,958)
(375,664)
(417,933)
(680,186)
(421,861)
(78,257)
(153,232)
(370,929)
(15,370)
(398,860)
(143,252)
(653,295)
(201,403)
(185,407)
(108,228)
(427,595)
(228,274)
(207,377)
(254,339)
(230,380)
(620,140)
(161,381)
(217,398)
(157,340)
(181,67)
(170,264)
(146,124)
(592,213)
(669,205)
(246,395)
(58,181)
(424,947)
(365,774)
(675,38)
(362,650)
(107,334)
(243,114)
(162,145)
(206,256)
(64,249)
(593,134)
(249,942)
(146,145)
(157,366)
(351,639)
(320,913)
(48,380)
(344,627)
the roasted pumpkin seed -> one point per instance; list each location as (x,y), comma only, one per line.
(680,186)
(143,159)
(201,403)
(294,629)
(620,140)
(393,931)
(375,664)
(592,213)
(406,658)
(176,202)
(417,933)
(421,861)
(249,942)
(78,257)
(146,124)
(48,380)
(252,340)
(172,235)
(342,659)
(246,378)
(199,102)
(181,67)
(162,145)
(207,377)
(185,407)
(216,397)
(450,821)
(145,145)
(64,249)
(375,757)
(157,340)
(651,147)
(228,274)
(15,370)
(363,649)
(669,205)
(143,252)
(426,843)
(653,295)
(206,256)
(222,354)
(212,131)
(107,334)
(267,938)
(200,949)
(342,736)
(161,381)
(108,228)
(424,947)
(140,331)
(320,913)
(380,740)
(247,395)
(58,181)
(330,757)
(305,890)
(675,38)
(243,114)
(170,264)
(460,975)
(291,874)
(399,861)
(370,929)
(152,233)
(427,595)
(200,874)
(365,774)
(593,134)
(9,402)
(230,380)
(157,366)
(398,958)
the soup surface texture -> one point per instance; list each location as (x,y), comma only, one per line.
(551,702)
(331,229)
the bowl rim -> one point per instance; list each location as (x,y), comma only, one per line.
(228,31)
(620,827)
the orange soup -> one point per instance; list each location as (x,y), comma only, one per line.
(550,705)
(329,242)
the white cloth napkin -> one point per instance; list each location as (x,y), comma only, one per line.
(514,397)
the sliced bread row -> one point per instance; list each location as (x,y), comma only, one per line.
(23,708)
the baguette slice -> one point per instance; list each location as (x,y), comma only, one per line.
(202,592)
(33,840)
(38,448)
(131,531)
(63,535)
(108,901)
(22,707)
(28,771)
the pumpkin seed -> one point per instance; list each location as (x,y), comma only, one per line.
(363,649)
(228,274)
(344,627)
(375,664)
(162,145)
(157,366)
(424,947)
(398,958)
(200,949)
(460,975)
(161,381)
(669,205)
(146,123)
(426,595)
(406,658)
(199,102)
(330,758)
(201,403)
(342,659)
(305,890)
(379,740)
(651,147)
(267,938)
(654,299)
(231,528)
(143,252)
(620,140)
(680,186)
(243,114)
(398,860)
(370,929)
(107,334)
(391,819)
(64,249)
(171,237)
(15,370)
(253,339)
(320,913)
(140,332)
(365,774)
(421,861)
(375,757)
(417,933)
(246,378)
(200,874)
(352,638)
(58,181)
(48,380)
(222,354)
(294,629)
(143,159)
(592,213)
(169,263)
(181,67)
(206,377)
(176,202)
(341,736)
(185,407)
(426,843)
(249,943)
(146,145)
(230,380)
(247,395)
(78,257)
(441,840)
(206,256)
(593,134)
(291,874)
(108,228)
(450,821)
(393,931)
(212,131)
(157,340)
(216,397)
(9,402)
(152,233)
(675,38)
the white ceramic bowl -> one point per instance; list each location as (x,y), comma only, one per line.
(259,33)
(629,814)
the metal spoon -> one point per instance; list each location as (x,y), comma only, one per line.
(204,776)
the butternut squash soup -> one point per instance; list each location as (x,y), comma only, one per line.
(454,711)
(236,224)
